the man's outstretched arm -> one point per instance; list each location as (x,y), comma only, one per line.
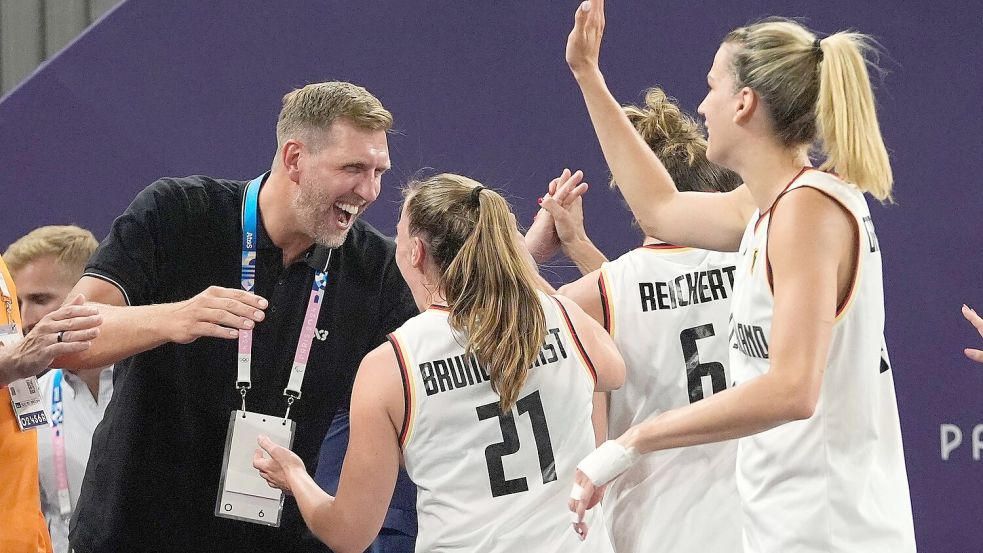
(127,330)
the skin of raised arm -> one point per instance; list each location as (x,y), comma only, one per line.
(585,294)
(607,360)
(661,210)
(811,253)
(128,330)
(350,521)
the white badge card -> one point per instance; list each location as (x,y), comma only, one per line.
(243,494)
(25,394)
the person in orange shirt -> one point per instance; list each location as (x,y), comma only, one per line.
(65,330)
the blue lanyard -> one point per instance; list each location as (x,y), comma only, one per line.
(248,277)
(57,409)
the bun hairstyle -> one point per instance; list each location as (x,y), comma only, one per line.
(678,141)
(490,289)
(817,91)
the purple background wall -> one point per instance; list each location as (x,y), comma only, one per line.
(183,87)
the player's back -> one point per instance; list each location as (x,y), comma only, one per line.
(667,309)
(490,481)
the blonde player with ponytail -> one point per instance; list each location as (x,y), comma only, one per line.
(485,396)
(820,464)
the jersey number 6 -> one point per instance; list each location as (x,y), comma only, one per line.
(695,370)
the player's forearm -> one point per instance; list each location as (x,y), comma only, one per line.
(327,518)
(641,177)
(758,405)
(584,254)
(125,331)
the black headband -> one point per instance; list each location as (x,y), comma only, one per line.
(818,48)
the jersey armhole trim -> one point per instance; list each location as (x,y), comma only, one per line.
(126,297)
(847,300)
(588,364)
(407,390)
(607,306)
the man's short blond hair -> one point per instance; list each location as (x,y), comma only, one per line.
(310,110)
(71,246)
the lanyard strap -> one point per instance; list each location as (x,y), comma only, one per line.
(248,277)
(58,445)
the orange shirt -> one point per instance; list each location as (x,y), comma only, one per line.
(22,526)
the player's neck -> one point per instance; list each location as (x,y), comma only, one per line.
(768,171)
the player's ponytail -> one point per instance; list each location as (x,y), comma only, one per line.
(490,289)
(817,90)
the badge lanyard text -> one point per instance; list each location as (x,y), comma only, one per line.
(248,274)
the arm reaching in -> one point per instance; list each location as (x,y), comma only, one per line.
(127,330)
(69,329)
(349,522)
(977,322)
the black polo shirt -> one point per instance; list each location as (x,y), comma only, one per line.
(152,479)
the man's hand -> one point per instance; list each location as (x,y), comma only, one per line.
(66,330)
(584,41)
(278,468)
(216,312)
(977,322)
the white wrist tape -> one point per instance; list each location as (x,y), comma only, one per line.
(576,492)
(605,463)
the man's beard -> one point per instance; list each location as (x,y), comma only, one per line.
(318,222)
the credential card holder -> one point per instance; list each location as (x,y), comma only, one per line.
(242,492)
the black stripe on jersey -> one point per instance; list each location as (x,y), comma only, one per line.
(780,194)
(604,303)
(406,387)
(576,340)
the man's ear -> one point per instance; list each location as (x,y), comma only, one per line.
(747,104)
(290,155)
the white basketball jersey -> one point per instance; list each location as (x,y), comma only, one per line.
(489,481)
(836,482)
(667,309)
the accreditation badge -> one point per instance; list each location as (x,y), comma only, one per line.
(243,494)
(25,394)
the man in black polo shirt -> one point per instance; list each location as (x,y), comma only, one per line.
(152,479)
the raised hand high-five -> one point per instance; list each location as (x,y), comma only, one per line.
(542,239)
(584,41)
